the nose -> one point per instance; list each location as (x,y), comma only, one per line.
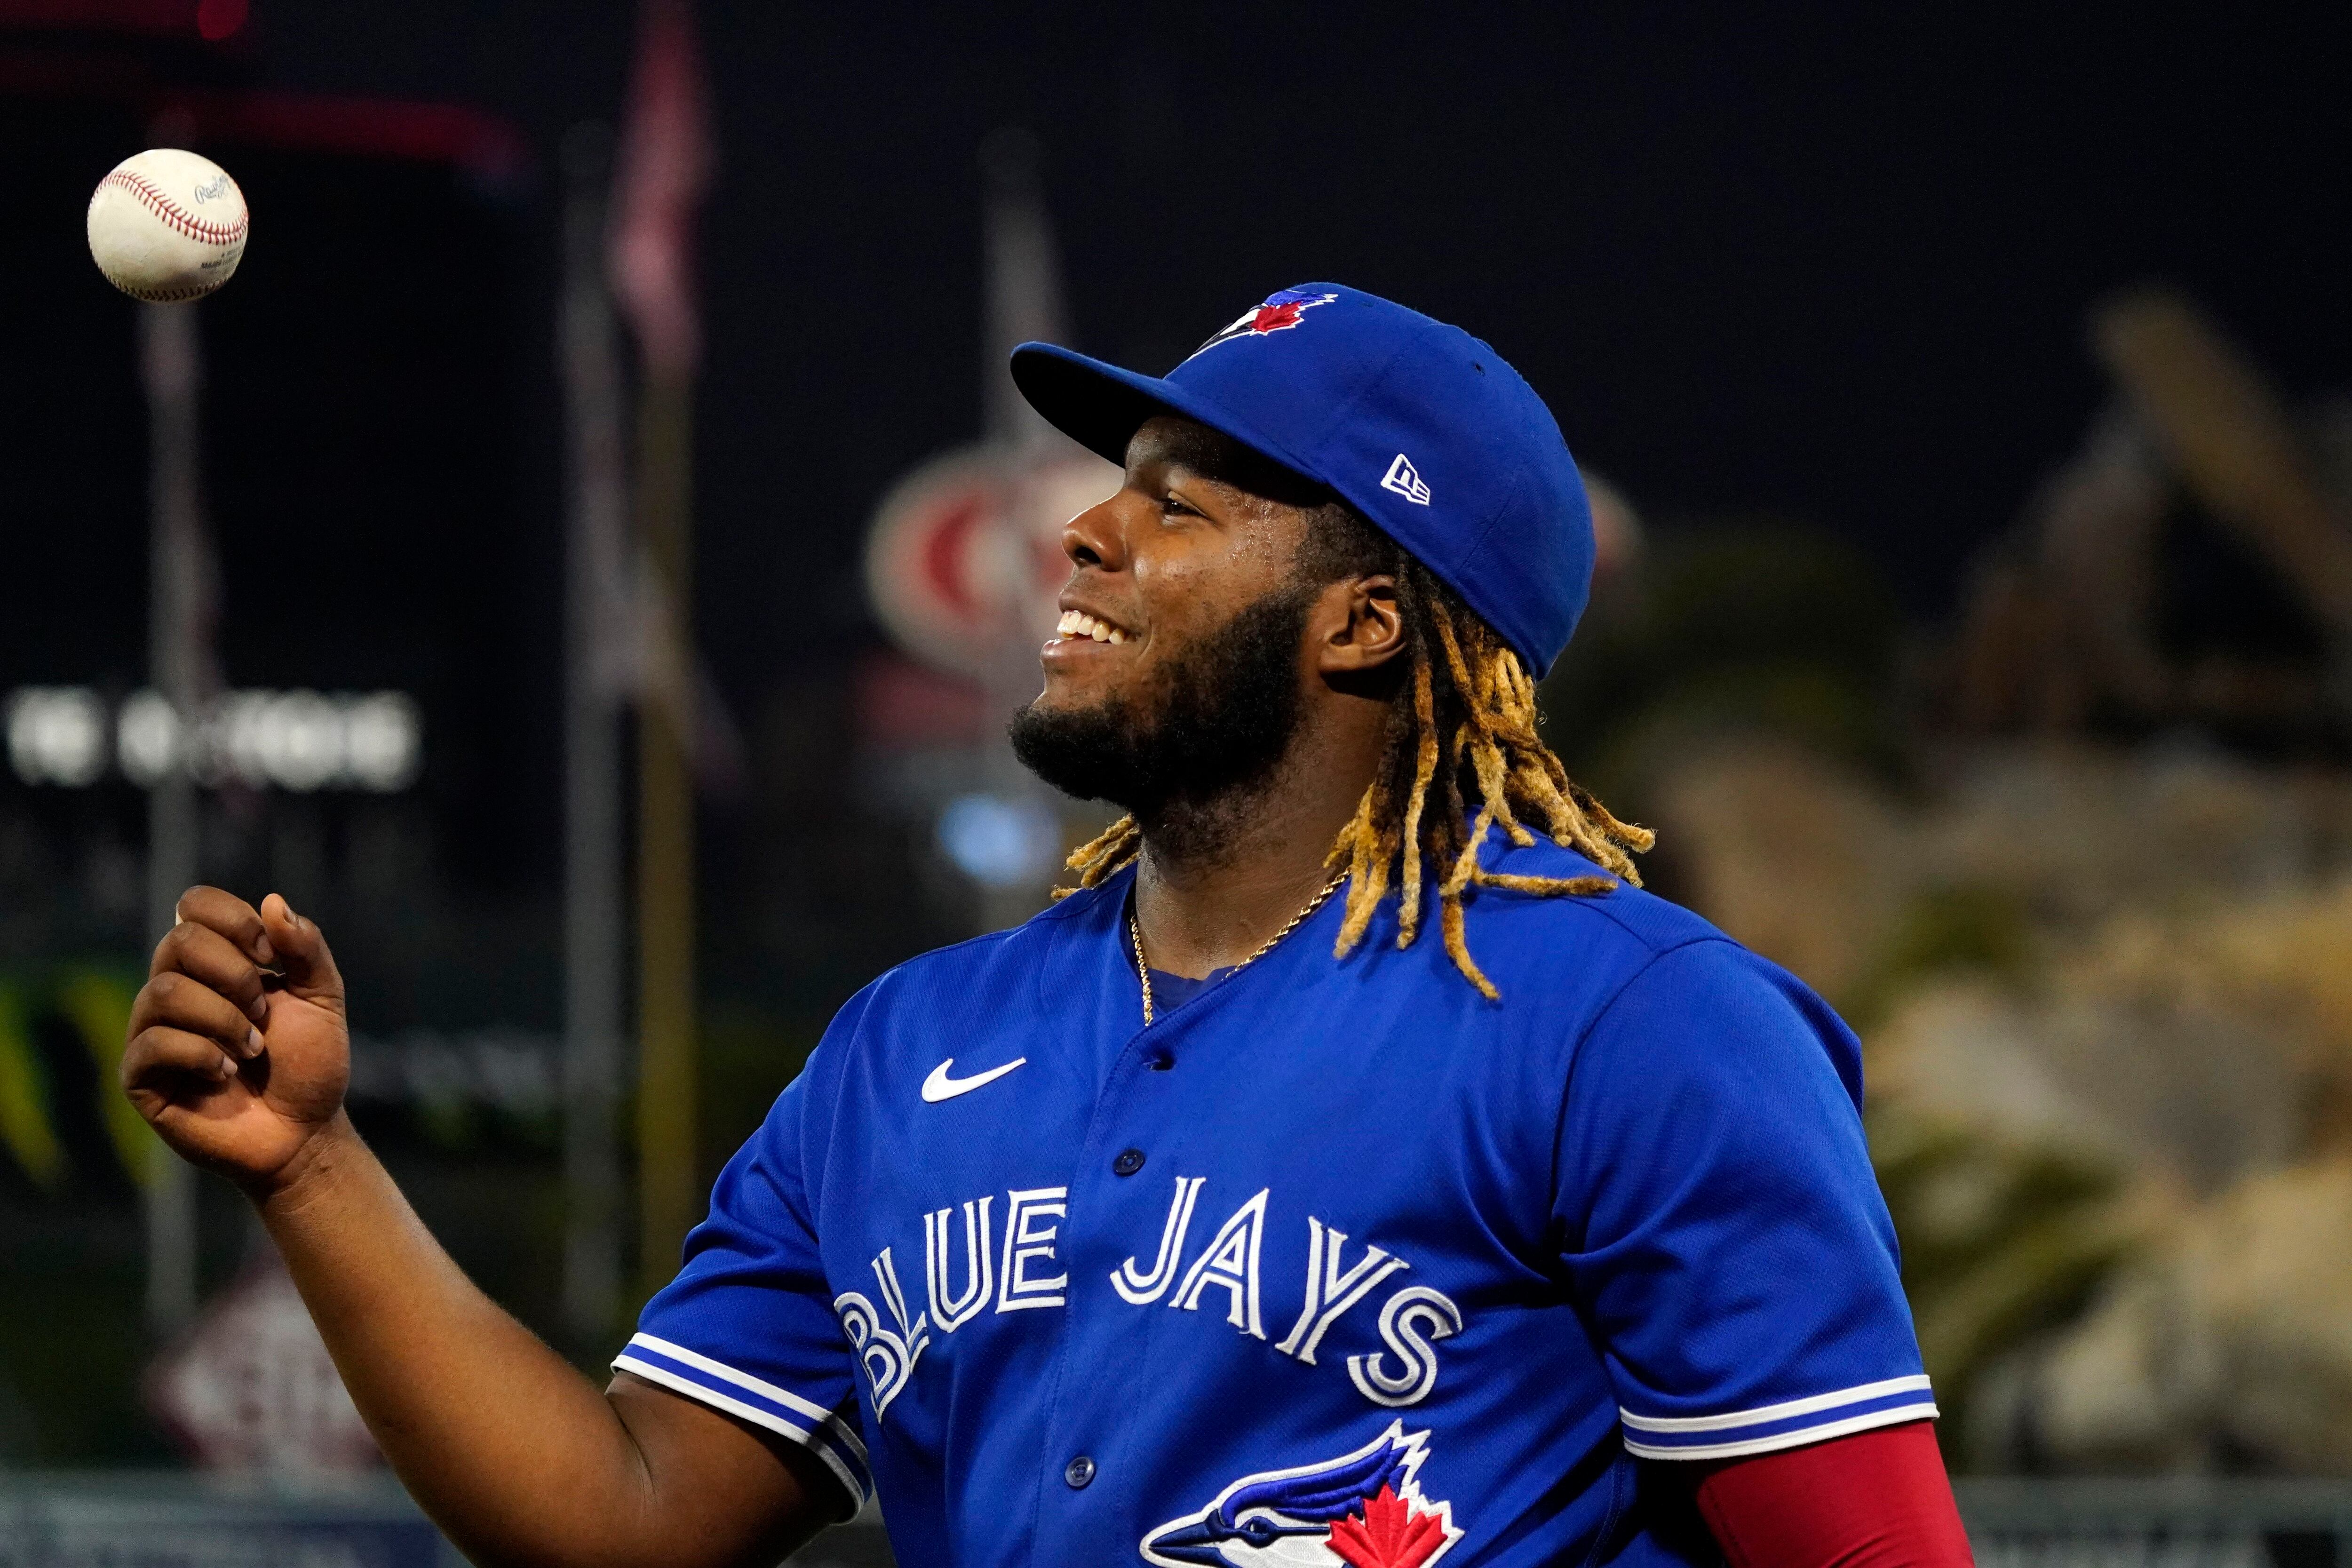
(1094,537)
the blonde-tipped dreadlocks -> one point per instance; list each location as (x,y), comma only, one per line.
(1464,717)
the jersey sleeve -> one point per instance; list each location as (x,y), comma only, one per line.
(1722,1231)
(747,1325)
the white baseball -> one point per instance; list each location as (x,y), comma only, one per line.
(166,226)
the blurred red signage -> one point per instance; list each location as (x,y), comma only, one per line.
(250,1386)
(965,558)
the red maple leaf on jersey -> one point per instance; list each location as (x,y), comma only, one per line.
(1273,318)
(1390,1534)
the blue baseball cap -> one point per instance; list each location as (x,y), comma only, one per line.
(1417,424)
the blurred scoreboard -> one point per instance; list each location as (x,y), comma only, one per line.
(298,740)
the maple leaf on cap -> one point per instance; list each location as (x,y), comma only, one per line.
(1390,1534)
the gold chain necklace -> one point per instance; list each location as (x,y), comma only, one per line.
(1143,970)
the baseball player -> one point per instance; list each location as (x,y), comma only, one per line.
(1355,1168)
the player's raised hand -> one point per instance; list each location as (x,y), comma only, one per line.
(239,1053)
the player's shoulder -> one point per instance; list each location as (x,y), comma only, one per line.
(992,972)
(1674,985)
(1596,946)
(1627,926)
(987,990)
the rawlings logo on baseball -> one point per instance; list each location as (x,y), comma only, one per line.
(150,239)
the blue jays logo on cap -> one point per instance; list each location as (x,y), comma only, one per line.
(1281,311)
(1363,1510)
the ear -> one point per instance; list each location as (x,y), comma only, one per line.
(1358,625)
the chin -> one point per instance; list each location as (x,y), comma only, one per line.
(1055,699)
(1074,692)
(1085,749)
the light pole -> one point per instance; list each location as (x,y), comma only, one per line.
(180,660)
(596,644)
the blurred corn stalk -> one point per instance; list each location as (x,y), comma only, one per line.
(25,1123)
(85,1012)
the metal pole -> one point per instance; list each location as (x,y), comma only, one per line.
(596,640)
(668,1194)
(665,164)
(179,657)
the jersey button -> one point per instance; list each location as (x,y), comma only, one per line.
(1078,1472)
(1129,1161)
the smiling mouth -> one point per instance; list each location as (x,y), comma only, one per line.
(1077,626)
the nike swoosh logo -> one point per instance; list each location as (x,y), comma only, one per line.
(940,1085)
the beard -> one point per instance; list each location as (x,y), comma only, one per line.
(1214,726)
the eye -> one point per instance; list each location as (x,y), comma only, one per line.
(1173,505)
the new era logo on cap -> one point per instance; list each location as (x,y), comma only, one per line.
(1403,478)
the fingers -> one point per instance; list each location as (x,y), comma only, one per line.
(156,1057)
(232,917)
(302,955)
(203,954)
(173,1000)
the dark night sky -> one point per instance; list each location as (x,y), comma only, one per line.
(1825,260)
(1829,261)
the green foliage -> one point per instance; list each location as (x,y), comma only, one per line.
(2001,1241)
(2003,1238)
(97,1000)
(1960,929)
(51,1140)
(24,1126)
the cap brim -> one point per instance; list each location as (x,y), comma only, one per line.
(1101,406)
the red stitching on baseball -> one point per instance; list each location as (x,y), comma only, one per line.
(175,215)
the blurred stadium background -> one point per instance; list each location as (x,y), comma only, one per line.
(598,492)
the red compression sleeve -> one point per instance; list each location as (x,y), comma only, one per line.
(1876,1499)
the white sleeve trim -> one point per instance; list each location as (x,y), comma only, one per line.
(836,1427)
(1770,1412)
(1925,1410)
(701,1394)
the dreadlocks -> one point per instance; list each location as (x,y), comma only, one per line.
(1462,718)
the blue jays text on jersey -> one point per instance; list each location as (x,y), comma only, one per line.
(1336,1263)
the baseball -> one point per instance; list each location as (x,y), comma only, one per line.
(167,225)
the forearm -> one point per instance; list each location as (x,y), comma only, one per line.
(517,1456)
(238,1056)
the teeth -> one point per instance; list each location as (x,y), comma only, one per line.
(1078,624)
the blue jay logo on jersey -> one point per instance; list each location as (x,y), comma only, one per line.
(1363,1510)
(1281,311)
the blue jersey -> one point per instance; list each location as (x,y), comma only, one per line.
(1336,1263)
